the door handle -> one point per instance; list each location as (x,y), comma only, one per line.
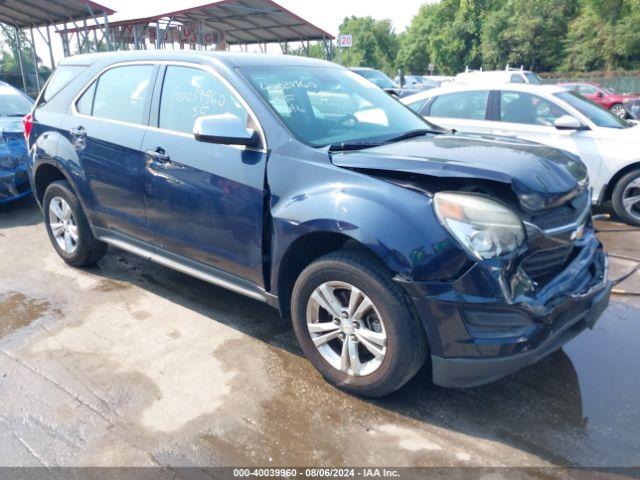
(78,132)
(159,155)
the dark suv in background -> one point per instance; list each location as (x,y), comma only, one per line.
(297,183)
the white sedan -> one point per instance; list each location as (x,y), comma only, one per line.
(608,145)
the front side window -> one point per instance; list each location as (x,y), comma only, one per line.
(595,113)
(325,105)
(189,93)
(470,105)
(521,107)
(120,94)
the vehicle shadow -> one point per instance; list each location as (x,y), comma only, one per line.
(538,410)
(20,213)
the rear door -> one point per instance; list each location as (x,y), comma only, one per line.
(464,111)
(204,200)
(106,129)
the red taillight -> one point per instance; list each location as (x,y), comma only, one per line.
(27,121)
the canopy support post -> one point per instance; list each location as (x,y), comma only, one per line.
(19,47)
(35,58)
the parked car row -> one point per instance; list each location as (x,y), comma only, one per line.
(389,240)
(605,97)
(608,145)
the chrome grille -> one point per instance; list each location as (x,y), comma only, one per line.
(565,214)
(543,265)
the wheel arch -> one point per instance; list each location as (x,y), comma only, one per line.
(614,180)
(305,250)
(44,175)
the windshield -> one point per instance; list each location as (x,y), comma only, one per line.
(377,77)
(13,103)
(595,113)
(324,106)
(533,78)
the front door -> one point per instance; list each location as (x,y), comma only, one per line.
(205,201)
(531,117)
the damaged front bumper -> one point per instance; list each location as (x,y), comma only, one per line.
(493,320)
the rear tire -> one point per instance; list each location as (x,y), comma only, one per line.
(626,198)
(399,345)
(68,228)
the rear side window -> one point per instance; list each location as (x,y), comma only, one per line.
(465,105)
(58,80)
(85,104)
(119,94)
(517,78)
(189,93)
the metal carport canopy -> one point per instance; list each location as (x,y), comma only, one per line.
(241,21)
(40,13)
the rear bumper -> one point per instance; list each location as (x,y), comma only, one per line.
(14,184)
(491,322)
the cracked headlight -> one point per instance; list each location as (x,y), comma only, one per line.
(482,226)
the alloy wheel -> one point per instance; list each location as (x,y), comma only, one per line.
(619,111)
(347,328)
(63,225)
(631,198)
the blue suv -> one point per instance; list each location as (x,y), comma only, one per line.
(296,182)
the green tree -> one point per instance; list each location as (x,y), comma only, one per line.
(9,50)
(446,34)
(604,36)
(375,44)
(525,32)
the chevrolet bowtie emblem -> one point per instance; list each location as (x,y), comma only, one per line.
(578,233)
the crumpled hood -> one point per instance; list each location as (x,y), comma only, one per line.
(540,176)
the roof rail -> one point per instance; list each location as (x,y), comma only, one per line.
(511,69)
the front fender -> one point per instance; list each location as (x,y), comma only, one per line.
(397,224)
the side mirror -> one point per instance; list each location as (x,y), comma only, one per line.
(599,94)
(225,129)
(567,122)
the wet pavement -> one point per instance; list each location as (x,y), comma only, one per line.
(129,363)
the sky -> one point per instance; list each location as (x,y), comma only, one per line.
(326,14)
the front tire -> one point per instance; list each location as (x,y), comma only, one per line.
(626,198)
(356,325)
(618,110)
(68,227)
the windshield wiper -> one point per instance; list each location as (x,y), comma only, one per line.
(412,134)
(346,146)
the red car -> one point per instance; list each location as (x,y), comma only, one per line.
(605,97)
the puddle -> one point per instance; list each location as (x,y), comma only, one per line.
(18,311)
(109,285)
